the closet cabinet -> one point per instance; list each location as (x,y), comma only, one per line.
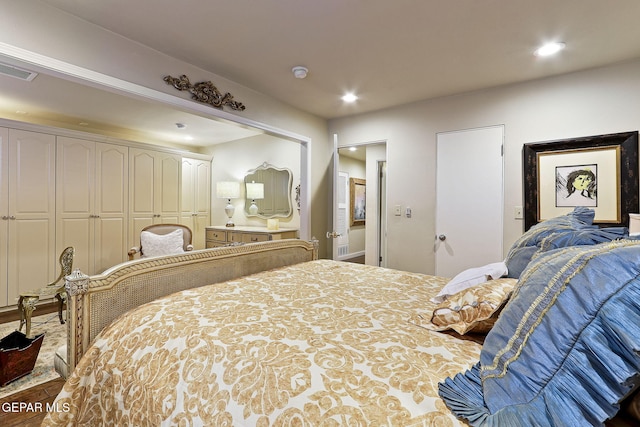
(91,200)
(60,189)
(196,199)
(27,212)
(154,190)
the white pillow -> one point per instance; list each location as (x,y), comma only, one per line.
(471,277)
(161,244)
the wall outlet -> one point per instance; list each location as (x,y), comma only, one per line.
(518,213)
(397,210)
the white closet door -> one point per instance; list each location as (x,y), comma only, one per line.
(4,213)
(32,163)
(469,199)
(75,193)
(112,186)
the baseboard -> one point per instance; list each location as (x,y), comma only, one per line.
(351,255)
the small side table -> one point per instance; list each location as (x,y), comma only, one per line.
(27,303)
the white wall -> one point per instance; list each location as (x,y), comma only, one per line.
(605,100)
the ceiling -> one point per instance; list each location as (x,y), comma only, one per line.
(387,52)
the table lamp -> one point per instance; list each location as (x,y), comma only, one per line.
(255,190)
(228,190)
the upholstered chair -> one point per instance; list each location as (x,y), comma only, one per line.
(163,239)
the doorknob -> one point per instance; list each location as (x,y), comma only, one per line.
(442,237)
(333,234)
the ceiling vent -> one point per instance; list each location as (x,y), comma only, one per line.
(18,73)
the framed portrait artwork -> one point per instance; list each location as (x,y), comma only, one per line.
(357,188)
(599,172)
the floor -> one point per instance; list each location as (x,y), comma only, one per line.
(357,260)
(12,415)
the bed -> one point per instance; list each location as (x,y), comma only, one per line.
(267,334)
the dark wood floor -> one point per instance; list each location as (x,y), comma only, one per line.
(36,398)
(357,260)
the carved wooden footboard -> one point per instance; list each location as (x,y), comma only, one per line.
(94,302)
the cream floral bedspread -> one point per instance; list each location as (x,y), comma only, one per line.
(322,343)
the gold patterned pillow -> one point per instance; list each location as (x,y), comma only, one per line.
(474,309)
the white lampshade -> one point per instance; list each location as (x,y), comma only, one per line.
(228,189)
(634,224)
(255,190)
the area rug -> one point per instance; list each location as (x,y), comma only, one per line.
(55,336)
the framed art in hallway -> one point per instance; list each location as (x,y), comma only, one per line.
(357,189)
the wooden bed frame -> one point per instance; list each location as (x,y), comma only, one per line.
(94,302)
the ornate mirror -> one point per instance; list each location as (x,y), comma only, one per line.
(276,192)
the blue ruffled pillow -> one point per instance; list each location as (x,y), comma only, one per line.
(574,228)
(565,350)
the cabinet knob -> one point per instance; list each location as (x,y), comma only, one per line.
(12,217)
(5,217)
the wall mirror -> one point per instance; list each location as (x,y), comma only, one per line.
(276,201)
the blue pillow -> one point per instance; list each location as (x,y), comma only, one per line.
(574,228)
(564,351)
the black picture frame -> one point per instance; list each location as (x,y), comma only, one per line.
(626,145)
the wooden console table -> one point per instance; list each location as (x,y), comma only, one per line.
(222,236)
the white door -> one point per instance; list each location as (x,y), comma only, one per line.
(75,200)
(4,214)
(469,199)
(110,217)
(196,178)
(31,246)
(382,209)
(334,235)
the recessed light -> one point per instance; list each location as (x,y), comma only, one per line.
(549,49)
(352,148)
(349,97)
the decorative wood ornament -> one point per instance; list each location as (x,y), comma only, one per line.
(204,92)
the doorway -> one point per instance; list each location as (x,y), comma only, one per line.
(360,241)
